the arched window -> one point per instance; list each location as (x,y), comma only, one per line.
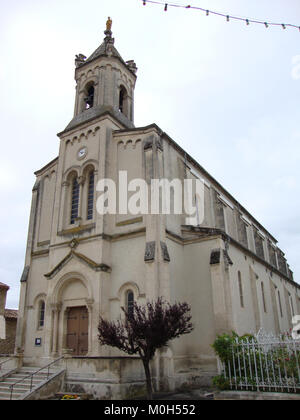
(89,99)
(41,319)
(241,289)
(90,196)
(129,302)
(122,100)
(74,201)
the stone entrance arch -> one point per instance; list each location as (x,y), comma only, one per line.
(72,298)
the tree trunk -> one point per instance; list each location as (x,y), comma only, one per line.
(148,379)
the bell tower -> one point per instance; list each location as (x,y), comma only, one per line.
(104,84)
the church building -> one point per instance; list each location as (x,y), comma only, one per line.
(81,264)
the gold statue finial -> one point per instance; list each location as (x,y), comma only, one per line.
(108,24)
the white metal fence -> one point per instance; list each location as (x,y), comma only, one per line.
(264,363)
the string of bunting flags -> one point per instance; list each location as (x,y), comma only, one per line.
(226,16)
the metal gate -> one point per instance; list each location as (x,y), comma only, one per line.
(264,363)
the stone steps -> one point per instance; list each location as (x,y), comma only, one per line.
(22,387)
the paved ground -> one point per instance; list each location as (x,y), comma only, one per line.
(209,394)
(195,394)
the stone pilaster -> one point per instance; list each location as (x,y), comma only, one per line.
(221,290)
(56,309)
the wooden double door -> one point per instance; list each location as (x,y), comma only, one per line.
(77,330)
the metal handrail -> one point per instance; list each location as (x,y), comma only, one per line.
(32,375)
(5,361)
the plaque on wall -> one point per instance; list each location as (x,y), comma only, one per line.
(38,342)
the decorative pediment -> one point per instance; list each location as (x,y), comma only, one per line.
(80,257)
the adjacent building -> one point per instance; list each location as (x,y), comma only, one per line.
(8,324)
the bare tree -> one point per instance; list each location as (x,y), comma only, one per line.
(146,329)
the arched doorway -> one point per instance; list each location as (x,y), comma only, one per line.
(72,316)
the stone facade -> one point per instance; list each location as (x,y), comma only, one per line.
(77,258)
(8,324)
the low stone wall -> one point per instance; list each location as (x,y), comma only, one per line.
(109,378)
(7,346)
(10,364)
(193,372)
(99,390)
(48,388)
(105,378)
(123,377)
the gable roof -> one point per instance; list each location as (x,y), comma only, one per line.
(82,258)
(103,50)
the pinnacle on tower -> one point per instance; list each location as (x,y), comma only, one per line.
(108,32)
(108,26)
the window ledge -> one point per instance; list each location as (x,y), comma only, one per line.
(77,229)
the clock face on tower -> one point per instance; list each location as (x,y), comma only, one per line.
(82,152)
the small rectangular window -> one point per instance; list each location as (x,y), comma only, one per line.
(241,289)
(280,305)
(263,297)
(292,305)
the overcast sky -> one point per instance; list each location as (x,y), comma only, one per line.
(228,93)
